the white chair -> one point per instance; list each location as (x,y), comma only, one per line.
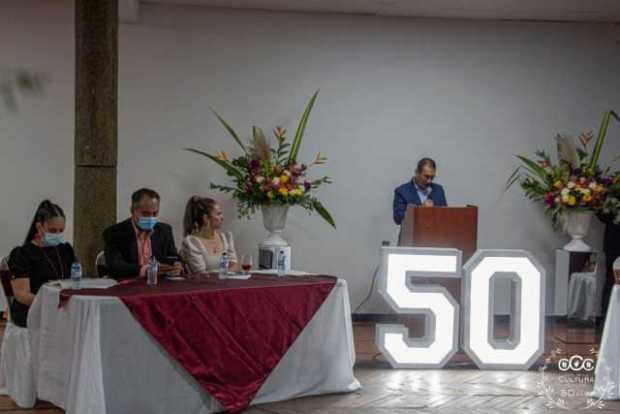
(16,370)
(4,304)
(585,291)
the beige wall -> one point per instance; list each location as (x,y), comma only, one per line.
(468,93)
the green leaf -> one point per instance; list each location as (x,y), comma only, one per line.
(301,129)
(224,164)
(318,207)
(534,168)
(230,130)
(224,188)
(596,153)
(514,177)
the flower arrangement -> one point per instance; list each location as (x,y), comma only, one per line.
(575,182)
(265,175)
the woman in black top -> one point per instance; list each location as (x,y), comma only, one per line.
(44,256)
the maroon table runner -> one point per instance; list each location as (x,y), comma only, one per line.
(228,334)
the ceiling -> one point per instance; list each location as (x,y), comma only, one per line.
(553,10)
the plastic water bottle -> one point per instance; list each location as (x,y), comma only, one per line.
(223,265)
(76,275)
(281,263)
(151,272)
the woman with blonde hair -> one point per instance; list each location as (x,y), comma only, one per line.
(204,242)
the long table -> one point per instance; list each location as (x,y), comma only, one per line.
(92,356)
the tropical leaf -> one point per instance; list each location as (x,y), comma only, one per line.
(567,150)
(260,149)
(282,152)
(301,129)
(602,131)
(319,208)
(514,177)
(536,170)
(230,130)
(227,165)
(223,188)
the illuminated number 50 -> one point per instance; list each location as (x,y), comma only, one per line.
(401,265)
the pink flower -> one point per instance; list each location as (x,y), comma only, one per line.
(550,199)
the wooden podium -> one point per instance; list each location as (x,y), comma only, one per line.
(455,227)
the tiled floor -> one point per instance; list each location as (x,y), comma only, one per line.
(459,389)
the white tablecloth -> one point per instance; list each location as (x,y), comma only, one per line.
(607,374)
(93,357)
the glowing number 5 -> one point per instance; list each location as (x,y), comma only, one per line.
(519,350)
(441,311)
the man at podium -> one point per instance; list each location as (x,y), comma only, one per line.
(420,191)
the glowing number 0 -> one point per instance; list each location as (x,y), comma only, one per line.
(441,339)
(526,342)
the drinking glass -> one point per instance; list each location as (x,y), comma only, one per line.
(246,262)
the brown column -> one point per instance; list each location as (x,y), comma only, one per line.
(96,91)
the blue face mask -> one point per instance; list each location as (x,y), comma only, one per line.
(147,223)
(53,239)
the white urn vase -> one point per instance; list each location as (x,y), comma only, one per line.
(577,225)
(274,220)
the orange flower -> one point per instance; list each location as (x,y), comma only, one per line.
(279,132)
(586,137)
(221,155)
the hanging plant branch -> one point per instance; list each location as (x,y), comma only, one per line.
(16,81)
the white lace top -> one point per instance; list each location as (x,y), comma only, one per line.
(199,259)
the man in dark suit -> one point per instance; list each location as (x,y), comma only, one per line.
(129,245)
(420,191)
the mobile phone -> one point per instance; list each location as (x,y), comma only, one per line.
(170,260)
